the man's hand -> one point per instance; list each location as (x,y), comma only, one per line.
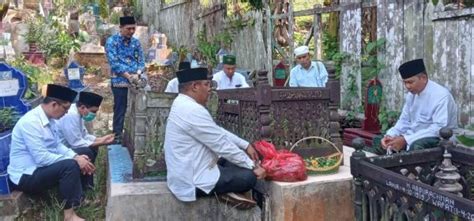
(397,143)
(84,164)
(252,152)
(108,139)
(385,141)
(259,171)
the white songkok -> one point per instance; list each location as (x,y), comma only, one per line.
(301,50)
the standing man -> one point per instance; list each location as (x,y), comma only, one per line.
(428,108)
(193,143)
(73,133)
(39,161)
(228,78)
(125,56)
(307,73)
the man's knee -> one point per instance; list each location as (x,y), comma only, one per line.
(425,143)
(249,179)
(70,165)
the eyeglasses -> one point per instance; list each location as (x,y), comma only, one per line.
(64,106)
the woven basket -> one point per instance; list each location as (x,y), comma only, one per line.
(322,170)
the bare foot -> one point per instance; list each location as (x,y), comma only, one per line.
(70,215)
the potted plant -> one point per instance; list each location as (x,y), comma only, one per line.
(33,37)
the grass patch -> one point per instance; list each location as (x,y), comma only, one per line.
(93,208)
(466,140)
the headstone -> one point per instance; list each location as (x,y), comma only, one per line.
(75,74)
(370,130)
(279,74)
(372,105)
(13,85)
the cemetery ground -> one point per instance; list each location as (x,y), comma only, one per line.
(49,207)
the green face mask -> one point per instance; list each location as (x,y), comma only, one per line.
(89,117)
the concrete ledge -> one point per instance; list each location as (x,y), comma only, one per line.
(319,198)
(153,201)
(128,199)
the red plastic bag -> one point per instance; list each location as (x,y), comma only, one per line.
(281,165)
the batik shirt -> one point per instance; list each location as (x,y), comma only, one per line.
(124,55)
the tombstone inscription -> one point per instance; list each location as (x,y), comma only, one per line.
(13,85)
(75,74)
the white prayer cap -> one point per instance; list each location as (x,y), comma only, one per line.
(301,50)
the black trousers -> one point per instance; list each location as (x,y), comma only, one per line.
(87,180)
(233,179)
(120,107)
(65,173)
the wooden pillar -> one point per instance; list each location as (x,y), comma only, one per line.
(264,100)
(317,34)
(335,99)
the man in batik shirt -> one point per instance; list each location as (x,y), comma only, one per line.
(125,56)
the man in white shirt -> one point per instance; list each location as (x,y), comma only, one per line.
(307,73)
(428,108)
(228,78)
(172,86)
(194,142)
(73,133)
(39,161)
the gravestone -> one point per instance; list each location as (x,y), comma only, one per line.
(279,74)
(13,85)
(371,125)
(75,74)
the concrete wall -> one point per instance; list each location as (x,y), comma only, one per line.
(183,21)
(419,29)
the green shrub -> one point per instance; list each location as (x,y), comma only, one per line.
(8,118)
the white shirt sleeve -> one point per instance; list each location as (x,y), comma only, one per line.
(202,127)
(403,122)
(71,130)
(323,73)
(33,138)
(293,82)
(440,119)
(241,143)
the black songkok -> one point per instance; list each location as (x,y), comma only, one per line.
(411,68)
(90,99)
(60,92)
(193,74)
(127,20)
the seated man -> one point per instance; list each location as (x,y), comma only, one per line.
(307,73)
(428,108)
(39,161)
(172,86)
(73,133)
(228,78)
(193,143)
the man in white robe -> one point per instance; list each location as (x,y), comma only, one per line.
(194,143)
(428,108)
